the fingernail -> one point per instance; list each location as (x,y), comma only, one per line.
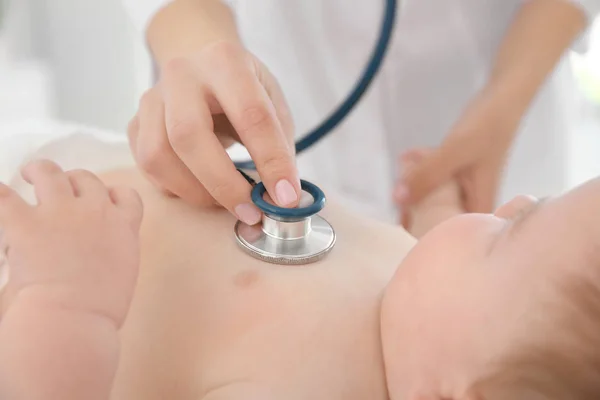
(285,193)
(248,214)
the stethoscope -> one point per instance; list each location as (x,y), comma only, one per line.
(300,235)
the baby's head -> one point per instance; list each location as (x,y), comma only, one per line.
(503,306)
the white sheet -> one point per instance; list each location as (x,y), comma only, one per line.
(71,146)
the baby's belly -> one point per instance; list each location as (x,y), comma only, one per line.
(206,315)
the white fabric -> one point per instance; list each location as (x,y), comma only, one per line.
(142,11)
(441,55)
(27,90)
(591,9)
(71,146)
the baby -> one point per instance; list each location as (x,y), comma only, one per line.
(502,306)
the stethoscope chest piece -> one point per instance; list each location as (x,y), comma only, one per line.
(299,235)
(288,236)
(288,243)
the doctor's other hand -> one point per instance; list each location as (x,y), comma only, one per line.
(474,153)
(201,105)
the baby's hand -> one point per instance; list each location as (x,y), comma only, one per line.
(73,262)
(78,248)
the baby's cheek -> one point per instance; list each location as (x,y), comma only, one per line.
(415,310)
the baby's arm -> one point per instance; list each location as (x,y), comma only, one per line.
(73,265)
(51,352)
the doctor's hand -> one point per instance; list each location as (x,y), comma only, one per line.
(202,104)
(474,153)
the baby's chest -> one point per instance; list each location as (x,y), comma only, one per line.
(304,337)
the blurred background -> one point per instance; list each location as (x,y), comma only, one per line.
(79,60)
(83,61)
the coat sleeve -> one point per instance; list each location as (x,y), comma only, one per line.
(590,7)
(592,10)
(141,12)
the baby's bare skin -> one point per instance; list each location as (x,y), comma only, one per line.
(209,322)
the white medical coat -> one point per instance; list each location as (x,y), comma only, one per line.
(440,57)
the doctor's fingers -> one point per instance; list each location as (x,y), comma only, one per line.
(255,117)
(282,109)
(226,131)
(435,169)
(153,152)
(190,131)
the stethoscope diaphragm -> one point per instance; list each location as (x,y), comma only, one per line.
(288,236)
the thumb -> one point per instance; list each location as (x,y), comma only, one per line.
(435,169)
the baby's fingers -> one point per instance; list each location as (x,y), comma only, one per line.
(129,201)
(50,182)
(86,184)
(12,207)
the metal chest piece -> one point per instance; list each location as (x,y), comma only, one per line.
(288,236)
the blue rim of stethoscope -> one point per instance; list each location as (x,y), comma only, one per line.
(317,205)
(338,115)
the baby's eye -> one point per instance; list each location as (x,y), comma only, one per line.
(523,215)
